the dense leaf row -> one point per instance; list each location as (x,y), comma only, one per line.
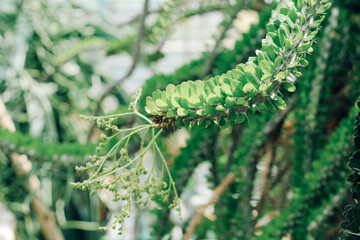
(254,85)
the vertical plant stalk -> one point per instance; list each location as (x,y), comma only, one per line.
(270,154)
(235,136)
(44,215)
(351,225)
(249,176)
(317,85)
(214,169)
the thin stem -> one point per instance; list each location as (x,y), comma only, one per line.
(152,141)
(142,116)
(113,171)
(153,163)
(167,170)
(109,116)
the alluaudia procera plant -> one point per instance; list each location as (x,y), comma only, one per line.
(225,100)
(254,86)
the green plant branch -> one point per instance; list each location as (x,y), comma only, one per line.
(190,157)
(219,98)
(270,155)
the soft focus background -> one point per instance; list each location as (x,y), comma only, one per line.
(63,59)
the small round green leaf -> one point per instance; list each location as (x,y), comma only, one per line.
(230,102)
(213,98)
(279,102)
(209,110)
(269,106)
(161,104)
(182,112)
(240,101)
(226,89)
(249,87)
(289,86)
(170,114)
(220,108)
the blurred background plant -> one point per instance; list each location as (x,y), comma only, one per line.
(60,59)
